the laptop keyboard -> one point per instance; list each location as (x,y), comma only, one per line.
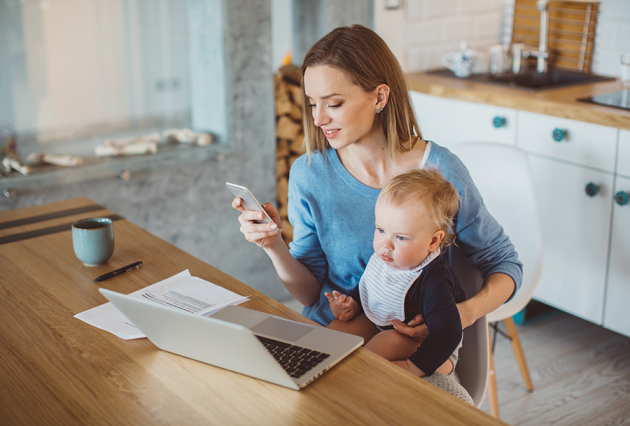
(296,360)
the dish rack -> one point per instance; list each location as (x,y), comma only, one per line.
(571,32)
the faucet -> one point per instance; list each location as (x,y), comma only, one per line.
(542,54)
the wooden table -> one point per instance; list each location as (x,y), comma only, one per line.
(56,369)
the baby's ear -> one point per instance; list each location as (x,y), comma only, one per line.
(437,238)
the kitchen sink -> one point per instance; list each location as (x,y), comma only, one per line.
(531,80)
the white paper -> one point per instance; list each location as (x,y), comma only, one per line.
(181,291)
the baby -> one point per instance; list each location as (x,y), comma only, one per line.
(406,275)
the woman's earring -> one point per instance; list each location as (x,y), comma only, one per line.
(379,110)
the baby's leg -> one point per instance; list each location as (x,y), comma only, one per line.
(393,346)
(360,325)
(446,368)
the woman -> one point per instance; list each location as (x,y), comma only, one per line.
(360,131)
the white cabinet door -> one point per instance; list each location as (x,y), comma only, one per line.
(581,143)
(449,122)
(575,234)
(617,308)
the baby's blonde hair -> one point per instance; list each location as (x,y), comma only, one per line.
(426,187)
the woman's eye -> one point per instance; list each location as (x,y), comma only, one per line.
(310,105)
(334,106)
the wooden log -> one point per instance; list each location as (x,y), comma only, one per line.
(283,211)
(292,159)
(296,94)
(284,104)
(296,113)
(291,73)
(296,146)
(282,168)
(287,128)
(282,148)
(283,190)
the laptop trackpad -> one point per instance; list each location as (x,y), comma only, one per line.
(282,329)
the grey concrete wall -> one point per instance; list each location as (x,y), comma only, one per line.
(313,19)
(188,205)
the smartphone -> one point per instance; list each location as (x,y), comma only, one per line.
(249,201)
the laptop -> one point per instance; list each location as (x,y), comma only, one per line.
(260,345)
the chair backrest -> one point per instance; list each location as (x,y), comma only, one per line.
(504,178)
(472,367)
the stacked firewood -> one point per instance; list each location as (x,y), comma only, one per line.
(289,136)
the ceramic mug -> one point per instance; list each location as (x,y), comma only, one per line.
(461,63)
(93,240)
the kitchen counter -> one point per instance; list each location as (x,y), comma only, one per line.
(561,102)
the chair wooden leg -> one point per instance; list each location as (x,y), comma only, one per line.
(493,397)
(510,327)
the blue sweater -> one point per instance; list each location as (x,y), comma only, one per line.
(333,218)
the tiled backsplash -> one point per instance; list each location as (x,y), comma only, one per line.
(612,37)
(432,28)
(435,27)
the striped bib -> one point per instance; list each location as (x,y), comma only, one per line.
(383,289)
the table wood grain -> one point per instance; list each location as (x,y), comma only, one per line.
(56,369)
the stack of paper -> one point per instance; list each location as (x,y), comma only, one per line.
(181,291)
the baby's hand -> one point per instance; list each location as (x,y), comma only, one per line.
(343,307)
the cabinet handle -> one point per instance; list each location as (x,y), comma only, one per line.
(591,189)
(499,122)
(558,134)
(621,198)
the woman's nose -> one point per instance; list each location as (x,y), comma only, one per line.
(320,117)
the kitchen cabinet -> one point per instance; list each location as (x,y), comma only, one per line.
(449,122)
(575,236)
(616,312)
(578,168)
(568,140)
(573,165)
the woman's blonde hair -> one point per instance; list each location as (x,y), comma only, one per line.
(367,62)
(426,187)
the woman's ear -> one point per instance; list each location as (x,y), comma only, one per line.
(437,238)
(382,96)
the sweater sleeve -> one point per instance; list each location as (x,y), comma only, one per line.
(441,316)
(305,247)
(482,238)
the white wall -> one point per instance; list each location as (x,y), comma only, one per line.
(424,30)
(281,31)
(612,37)
(421,31)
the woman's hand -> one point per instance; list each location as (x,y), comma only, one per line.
(416,328)
(262,234)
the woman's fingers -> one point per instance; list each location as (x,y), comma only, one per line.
(416,320)
(417,333)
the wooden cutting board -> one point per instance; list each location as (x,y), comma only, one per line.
(571,31)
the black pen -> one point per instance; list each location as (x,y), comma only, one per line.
(124,269)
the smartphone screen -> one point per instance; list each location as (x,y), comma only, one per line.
(249,201)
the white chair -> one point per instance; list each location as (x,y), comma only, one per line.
(503,176)
(472,367)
